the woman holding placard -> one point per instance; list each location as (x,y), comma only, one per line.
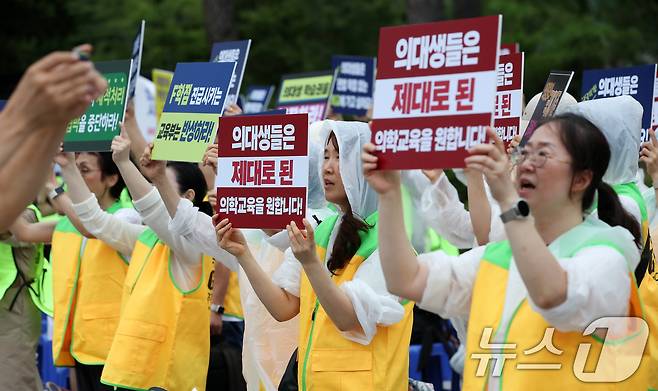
(531,299)
(153,345)
(354,335)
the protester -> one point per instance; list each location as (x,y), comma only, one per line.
(162,340)
(549,271)
(353,334)
(21,264)
(649,285)
(620,121)
(88,273)
(52,92)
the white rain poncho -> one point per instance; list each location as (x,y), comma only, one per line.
(620,121)
(268,344)
(317,207)
(415,183)
(265,355)
(316,198)
(351,137)
(566,101)
(372,303)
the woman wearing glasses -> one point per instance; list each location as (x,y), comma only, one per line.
(530,299)
(88,273)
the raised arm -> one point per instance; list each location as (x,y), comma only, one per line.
(27,232)
(279,303)
(77,192)
(52,92)
(543,276)
(335,301)
(219,288)
(137,185)
(405,276)
(649,155)
(137,141)
(81,207)
(479,209)
(155,171)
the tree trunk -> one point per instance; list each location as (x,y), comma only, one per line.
(422,11)
(218,17)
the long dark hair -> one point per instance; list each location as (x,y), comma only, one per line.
(589,150)
(348,239)
(189,176)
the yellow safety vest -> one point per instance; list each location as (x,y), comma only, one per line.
(649,285)
(649,297)
(527,329)
(329,361)
(40,285)
(87,286)
(163,338)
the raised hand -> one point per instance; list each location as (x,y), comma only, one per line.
(230,239)
(56,89)
(64,159)
(302,243)
(121,147)
(210,157)
(649,155)
(152,169)
(382,181)
(492,160)
(232,109)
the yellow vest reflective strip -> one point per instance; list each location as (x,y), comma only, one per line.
(87,286)
(526,330)
(329,361)
(41,286)
(163,338)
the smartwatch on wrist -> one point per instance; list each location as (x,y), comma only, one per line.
(56,192)
(217,308)
(519,211)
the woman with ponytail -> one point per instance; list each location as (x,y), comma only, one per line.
(353,334)
(538,296)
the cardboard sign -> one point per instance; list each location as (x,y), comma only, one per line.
(237,52)
(192,110)
(257,99)
(638,82)
(556,85)
(306,93)
(510,48)
(95,129)
(354,86)
(136,56)
(162,80)
(262,170)
(509,97)
(435,92)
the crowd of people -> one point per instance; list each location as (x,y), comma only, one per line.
(149,289)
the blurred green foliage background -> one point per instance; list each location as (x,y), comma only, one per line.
(301,35)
